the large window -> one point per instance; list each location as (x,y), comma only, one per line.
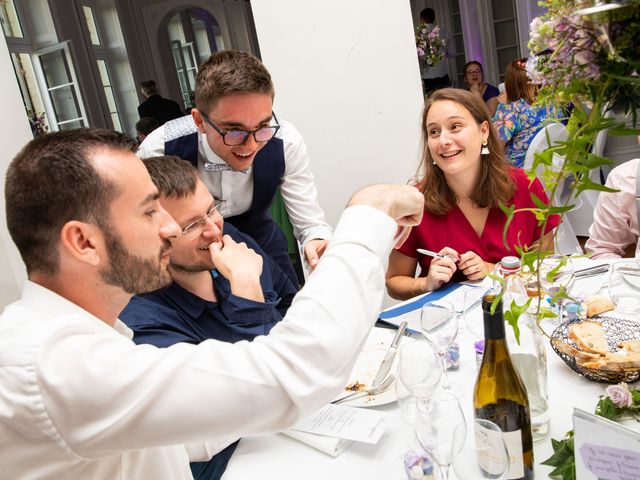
(9,19)
(103,64)
(458,39)
(505,29)
(33,102)
(194,35)
(108,92)
(59,81)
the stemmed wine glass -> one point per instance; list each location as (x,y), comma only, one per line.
(624,286)
(474,321)
(441,430)
(439,325)
(419,372)
(557,275)
(487,447)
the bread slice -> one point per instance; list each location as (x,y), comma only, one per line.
(597,305)
(579,355)
(589,337)
(631,345)
(621,361)
(595,365)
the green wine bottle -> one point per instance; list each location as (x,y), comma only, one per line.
(500,396)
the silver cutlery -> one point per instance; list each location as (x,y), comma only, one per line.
(584,272)
(385,366)
(369,391)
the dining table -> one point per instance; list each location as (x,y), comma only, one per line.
(276,456)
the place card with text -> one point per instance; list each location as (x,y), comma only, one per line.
(604,449)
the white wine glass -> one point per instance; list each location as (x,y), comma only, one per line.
(624,286)
(484,454)
(557,275)
(439,323)
(474,322)
(419,372)
(441,430)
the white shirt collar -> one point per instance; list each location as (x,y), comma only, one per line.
(48,303)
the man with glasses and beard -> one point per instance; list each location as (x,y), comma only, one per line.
(227,302)
(79,399)
(245,154)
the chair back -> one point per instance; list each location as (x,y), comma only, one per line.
(547,137)
(565,242)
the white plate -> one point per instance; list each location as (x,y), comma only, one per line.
(367,365)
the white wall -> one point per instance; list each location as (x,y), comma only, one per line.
(346,74)
(14,133)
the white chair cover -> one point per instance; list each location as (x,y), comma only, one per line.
(566,242)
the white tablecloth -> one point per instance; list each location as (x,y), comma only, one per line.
(271,457)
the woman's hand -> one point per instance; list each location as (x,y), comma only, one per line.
(441,270)
(473,266)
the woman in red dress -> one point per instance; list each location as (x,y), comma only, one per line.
(465,178)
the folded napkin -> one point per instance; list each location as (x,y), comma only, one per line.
(330,445)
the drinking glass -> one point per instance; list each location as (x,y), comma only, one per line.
(474,322)
(557,275)
(439,325)
(441,430)
(419,372)
(624,286)
(484,454)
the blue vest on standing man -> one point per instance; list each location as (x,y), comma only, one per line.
(268,170)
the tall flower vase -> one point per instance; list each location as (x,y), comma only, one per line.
(530,358)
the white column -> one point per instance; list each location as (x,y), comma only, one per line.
(14,134)
(346,74)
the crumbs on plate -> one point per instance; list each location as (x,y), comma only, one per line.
(355,387)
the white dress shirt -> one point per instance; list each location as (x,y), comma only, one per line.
(78,399)
(615,220)
(298,186)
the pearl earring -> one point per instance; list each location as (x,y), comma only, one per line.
(434,162)
(485,149)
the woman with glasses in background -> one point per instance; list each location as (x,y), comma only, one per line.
(464,179)
(474,79)
(518,120)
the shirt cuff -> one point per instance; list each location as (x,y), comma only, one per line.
(315,233)
(246,311)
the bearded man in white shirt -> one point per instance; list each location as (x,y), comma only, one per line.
(245,154)
(78,399)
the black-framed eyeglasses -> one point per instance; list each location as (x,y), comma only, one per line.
(234,138)
(195,227)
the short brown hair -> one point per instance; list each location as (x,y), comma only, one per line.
(494,186)
(172,176)
(149,88)
(52,181)
(230,72)
(517,83)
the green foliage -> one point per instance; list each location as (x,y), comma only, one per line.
(590,73)
(511,316)
(563,458)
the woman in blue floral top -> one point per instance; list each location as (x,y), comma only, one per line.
(518,121)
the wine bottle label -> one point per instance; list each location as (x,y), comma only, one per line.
(489,445)
(513,441)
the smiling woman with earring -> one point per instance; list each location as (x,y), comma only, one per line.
(464,178)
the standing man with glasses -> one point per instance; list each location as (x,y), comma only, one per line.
(240,296)
(244,154)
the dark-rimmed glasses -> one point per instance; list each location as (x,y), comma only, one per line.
(195,227)
(234,138)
